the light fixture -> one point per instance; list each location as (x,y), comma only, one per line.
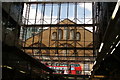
(22,72)
(117,44)
(103,59)
(94,62)
(5,66)
(101,46)
(8,67)
(113,42)
(111,46)
(116,9)
(112,51)
(1,66)
(91,70)
(99,76)
(117,36)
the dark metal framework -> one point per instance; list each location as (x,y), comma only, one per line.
(40,17)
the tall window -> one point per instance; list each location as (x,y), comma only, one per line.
(72,34)
(66,33)
(54,35)
(60,32)
(78,36)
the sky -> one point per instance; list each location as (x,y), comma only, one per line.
(63,13)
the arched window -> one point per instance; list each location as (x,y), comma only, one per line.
(72,34)
(78,36)
(54,35)
(60,32)
(66,33)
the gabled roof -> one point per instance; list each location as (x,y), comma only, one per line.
(66,20)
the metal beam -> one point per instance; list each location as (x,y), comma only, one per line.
(58,25)
(65,60)
(55,2)
(68,56)
(19,54)
(71,75)
(60,48)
